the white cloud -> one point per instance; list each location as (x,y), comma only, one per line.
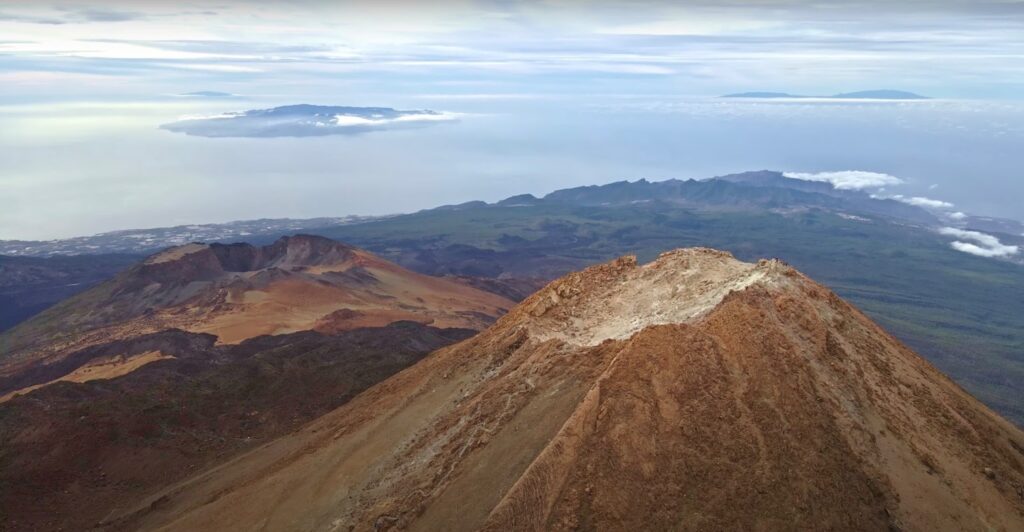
(433,117)
(920,201)
(957,215)
(967,247)
(849,179)
(351,121)
(382,121)
(981,244)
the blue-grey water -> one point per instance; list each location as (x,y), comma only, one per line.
(74,169)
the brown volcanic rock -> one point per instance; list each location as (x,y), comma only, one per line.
(239,291)
(696,392)
(73,453)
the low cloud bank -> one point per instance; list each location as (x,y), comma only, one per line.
(849,179)
(306,121)
(924,202)
(979,244)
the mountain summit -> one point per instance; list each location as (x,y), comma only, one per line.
(694,392)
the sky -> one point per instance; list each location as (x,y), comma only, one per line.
(540,95)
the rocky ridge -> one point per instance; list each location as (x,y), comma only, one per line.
(239,291)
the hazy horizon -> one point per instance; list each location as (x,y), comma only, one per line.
(542,96)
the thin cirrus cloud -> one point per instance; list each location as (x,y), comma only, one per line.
(976,243)
(67,15)
(849,179)
(716,48)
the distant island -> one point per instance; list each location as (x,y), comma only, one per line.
(882,94)
(304,120)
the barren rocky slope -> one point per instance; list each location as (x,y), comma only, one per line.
(76,451)
(240,291)
(696,392)
(197,354)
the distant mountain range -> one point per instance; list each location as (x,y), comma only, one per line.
(883,94)
(146,241)
(751,190)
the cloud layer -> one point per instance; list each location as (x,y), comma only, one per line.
(306,121)
(68,15)
(714,47)
(920,201)
(979,244)
(849,179)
